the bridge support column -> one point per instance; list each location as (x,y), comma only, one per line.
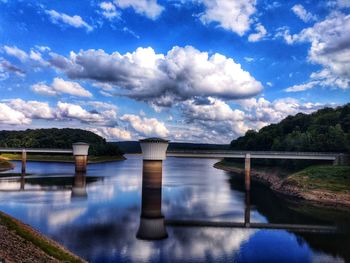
(337,160)
(24,161)
(152,225)
(247,172)
(342,159)
(80,152)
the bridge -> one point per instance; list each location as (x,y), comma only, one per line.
(154,152)
(222,224)
(35,150)
(256,154)
(336,158)
(79,151)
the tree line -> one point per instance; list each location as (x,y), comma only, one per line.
(326,130)
(58,138)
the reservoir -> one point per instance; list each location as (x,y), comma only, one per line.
(97,217)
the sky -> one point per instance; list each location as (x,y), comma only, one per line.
(186,70)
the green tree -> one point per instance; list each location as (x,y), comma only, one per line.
(57,138)
(325,130)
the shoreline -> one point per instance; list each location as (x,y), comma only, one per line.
(20,242)
(5,165)
(60,158)
(281,186)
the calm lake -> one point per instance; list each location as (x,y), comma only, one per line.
(100,223)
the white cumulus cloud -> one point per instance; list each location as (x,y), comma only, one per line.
(109,10)
(33,58)
(213,109)
(16,52)
(231,15)
(148,8)
(216,117)
(74,21)
(11,116)
(215,121)
(330,48)
(32,109)
(61,86)
(73,111)
(146,126)
(183,73)
(112,133)
(6,67)
(262,112)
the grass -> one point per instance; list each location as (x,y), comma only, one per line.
(281,172)
(37,240)
(5,165)
(230,163)
(322,177)
(60,158)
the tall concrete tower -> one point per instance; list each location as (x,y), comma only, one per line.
(152,225)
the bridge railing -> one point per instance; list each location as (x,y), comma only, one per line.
(253,152)
(35,150)
(79,151)
(257,154)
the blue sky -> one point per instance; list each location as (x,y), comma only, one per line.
(187,70)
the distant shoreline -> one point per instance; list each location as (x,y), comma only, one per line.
(288,187)
(60,158)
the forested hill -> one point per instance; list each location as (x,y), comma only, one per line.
(58,138)
(134,146)
(327,130)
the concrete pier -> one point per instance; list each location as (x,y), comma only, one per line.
(80,152)
(247,172)
(24,161)
(151,189)
(152,225)
(342,159)
(79,186)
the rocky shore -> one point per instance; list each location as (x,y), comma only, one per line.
(21,243)
(288,187)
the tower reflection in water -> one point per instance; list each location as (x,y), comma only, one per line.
(247,209)
(22,182)
(79,186)
(152,222)
(152,226)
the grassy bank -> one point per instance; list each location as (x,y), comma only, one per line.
(43,244)
(60,158)
(322,184)
(5,165)
(281,172)
(323,177)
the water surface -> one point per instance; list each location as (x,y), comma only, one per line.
(100,222)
